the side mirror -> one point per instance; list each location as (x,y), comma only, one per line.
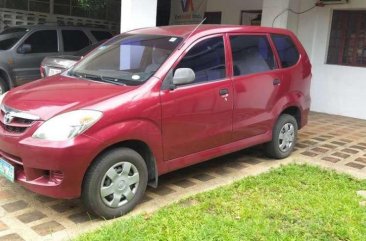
(183,76)
(25,49)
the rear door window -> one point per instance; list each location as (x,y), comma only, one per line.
(206,59)
(101,35)
(289,55)
(74,40)
(43,41)
(251,54)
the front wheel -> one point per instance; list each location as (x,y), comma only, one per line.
(115,183)
(283,137)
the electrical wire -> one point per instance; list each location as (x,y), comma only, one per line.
(292,11)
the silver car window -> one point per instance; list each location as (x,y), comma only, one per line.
(7,41)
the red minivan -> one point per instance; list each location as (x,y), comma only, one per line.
(151,101)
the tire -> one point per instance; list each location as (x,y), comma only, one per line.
(121,193)
(283,144)
(3,86)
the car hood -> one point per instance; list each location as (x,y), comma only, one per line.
(51,96)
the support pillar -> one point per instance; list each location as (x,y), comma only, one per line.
(138,14)
(287,19)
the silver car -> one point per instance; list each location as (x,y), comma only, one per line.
(56,64)
(23,48)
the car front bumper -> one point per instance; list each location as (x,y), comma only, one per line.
(54,169)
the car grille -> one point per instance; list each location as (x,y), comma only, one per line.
(14,121)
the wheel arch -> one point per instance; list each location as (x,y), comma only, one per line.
(141,148)
(4,74)
(295,112)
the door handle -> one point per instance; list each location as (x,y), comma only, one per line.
(224,92)
(276,82)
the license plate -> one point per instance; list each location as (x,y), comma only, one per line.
(7,170)
(52,71)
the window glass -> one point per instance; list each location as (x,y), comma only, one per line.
(7,41)
(206,59)
(101,35)
(347,45)
(289,55)
(251,54)
(127,59)
(74,40)
(44,41)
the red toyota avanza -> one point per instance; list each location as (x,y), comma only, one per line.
(151,101)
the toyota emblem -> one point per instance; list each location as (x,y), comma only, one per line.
(8,117)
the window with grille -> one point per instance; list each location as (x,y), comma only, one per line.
(347,44)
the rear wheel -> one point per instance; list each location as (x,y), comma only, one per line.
(283,137)
(115,183)
(3,86)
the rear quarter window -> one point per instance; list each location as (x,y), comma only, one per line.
(287,51)
(74,40)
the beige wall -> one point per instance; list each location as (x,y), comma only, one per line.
(231,9)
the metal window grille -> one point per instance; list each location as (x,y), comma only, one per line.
(347,43)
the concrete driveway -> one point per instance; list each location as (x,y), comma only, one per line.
(329,141)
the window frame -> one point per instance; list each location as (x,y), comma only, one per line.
(277,64)
(169,77)
(326,61)
(28,35)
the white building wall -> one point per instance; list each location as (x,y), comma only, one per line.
(138,14)
(335,89)
(231,9)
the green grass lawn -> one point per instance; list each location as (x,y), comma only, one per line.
(290,203)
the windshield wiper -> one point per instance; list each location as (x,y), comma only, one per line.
(100,78)
(113,80)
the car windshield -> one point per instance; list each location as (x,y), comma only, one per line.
(126,59)
(8,40)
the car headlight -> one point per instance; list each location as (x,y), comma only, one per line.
(2,97)
(68,125)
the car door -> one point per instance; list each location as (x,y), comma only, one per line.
(257,84)
(198,116)
(26,65)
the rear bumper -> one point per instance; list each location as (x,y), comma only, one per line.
(54,169)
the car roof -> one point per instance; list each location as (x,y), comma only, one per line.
(207,29)
(55,26)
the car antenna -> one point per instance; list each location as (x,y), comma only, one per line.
(194,30)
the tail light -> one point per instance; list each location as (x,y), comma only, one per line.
(43,72)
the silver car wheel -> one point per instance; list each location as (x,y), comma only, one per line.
(119,184)
(286,137)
